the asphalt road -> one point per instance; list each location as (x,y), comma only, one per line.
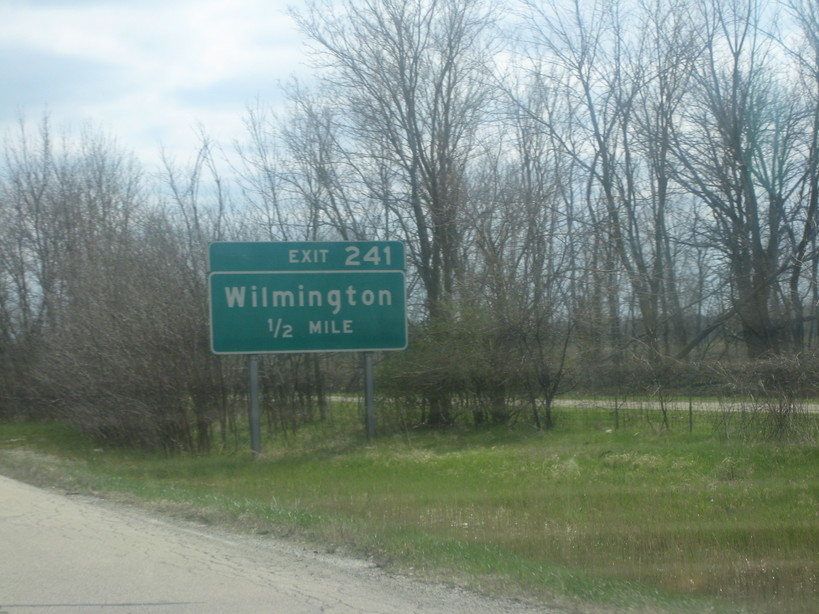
(71,554)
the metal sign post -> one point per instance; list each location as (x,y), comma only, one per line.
(369,395)
(253,413)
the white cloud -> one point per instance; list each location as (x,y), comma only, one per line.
(147,72)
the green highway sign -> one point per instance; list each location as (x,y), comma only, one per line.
(294,306)
(307,256)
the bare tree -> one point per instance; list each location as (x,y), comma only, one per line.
(519,271)
(736,149)
(806,16)
(621,93)
(668,50)
(408,78)
(197,211)
(103,295)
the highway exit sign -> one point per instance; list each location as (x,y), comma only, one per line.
(307,297)
(307,256)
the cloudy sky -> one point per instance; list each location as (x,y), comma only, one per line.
(148,72)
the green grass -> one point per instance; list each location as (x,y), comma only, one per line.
(634,519)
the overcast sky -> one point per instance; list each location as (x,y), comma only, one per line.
(145,71)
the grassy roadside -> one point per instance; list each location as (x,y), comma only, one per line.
(656,522)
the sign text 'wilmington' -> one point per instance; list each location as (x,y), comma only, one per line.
(264,297)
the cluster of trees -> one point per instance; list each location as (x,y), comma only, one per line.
(578,183)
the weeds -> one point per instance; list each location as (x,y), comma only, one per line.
(633,518)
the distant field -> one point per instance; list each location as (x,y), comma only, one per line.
(637,518)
